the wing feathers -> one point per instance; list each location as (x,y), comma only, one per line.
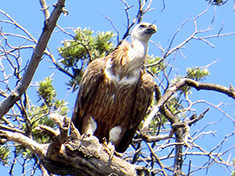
(91,78)
(144,91)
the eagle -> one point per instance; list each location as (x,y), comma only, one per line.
(116,91)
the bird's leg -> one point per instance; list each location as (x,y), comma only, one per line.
(114,136)
(89,127)
(110,149)
(83,136)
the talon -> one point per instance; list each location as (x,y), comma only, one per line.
(83,136)
(118,154)
(110,149)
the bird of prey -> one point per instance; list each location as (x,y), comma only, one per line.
(116,91)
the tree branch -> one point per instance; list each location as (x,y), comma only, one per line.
(45,9)
(15,95)
(209,86)
(189,82)
(20,138)
(74,154)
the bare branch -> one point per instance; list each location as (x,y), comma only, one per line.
(37,148)
(139,15)
(57,65)
(174,125)
(45,9)
(115,28)
(209,86)
(197,85)
(194,35)
(12,21)
(8,102)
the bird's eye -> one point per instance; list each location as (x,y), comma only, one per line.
(142,26)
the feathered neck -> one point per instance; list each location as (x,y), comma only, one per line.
(138,50)
(129,57)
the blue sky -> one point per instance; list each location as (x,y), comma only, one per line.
(91,13)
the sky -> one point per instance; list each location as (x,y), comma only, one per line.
(93,13)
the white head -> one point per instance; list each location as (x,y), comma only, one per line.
(143,31)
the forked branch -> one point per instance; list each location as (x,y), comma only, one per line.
(186,82)
(10,100)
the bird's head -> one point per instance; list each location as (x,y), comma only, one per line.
(143,31)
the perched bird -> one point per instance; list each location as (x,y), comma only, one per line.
(115,92)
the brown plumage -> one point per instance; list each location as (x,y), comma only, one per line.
(115,92)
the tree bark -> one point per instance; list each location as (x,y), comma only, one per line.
(74,154)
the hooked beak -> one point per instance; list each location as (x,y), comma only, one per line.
(151,29)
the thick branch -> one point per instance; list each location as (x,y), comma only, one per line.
(208,86)
(35,147)
(178,152)
(73,154)
(10,100)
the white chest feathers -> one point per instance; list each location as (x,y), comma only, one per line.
(120,79)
